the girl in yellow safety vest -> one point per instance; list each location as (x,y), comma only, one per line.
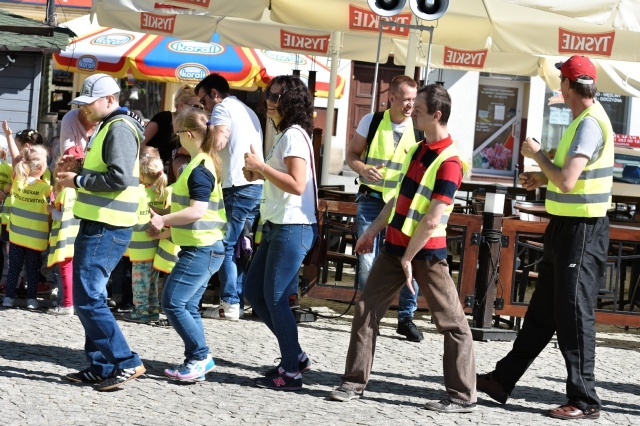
(142,248)
(6,176)
(28,223)
(64,229)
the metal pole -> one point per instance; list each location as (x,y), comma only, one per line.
(410,66)
(375,74)
(50,20)
(335,47)
(426,68)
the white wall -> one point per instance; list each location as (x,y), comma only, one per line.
(463,89)
(634,125)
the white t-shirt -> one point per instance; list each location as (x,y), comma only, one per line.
(245,131)
(398,129)
(282,207)
(72,132)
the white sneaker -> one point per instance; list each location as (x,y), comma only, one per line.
(224,311)
(7,302)
(32,304)
(61,310)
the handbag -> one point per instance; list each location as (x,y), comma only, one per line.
(318,252)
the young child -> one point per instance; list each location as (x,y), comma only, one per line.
(142,248)
(6,176)
(64,229)
(28,223)
(24,138)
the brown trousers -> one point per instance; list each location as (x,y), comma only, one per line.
(385,281)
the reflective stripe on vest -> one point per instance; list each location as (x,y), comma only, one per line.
(591,195)
(422,199)
(29,220)
(63,232)
(142,248)
(166,255)
(382,151)
(117,208)
(210,228)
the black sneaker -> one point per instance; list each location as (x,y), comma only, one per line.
(84,376)
(120,377)
(408,328)
(303,367)
(294,302)
(280,381)
(449,406)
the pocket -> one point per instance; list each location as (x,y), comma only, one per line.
(306,237)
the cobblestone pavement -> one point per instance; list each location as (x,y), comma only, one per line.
(37,350)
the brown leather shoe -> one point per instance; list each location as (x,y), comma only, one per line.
(488,384)
(569,412)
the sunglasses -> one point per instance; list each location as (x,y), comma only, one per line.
(202,99)
(272,97)
(199,106)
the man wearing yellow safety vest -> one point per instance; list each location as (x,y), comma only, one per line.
(376,152)
(106,204)
(573,266)
(416,216)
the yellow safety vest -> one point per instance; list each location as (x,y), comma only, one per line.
(29,220)
(64,231)
(210,228)
(422,198)
(142,248)
(116,208)
(382,151)
(6,177)
(591,195)
(166,255)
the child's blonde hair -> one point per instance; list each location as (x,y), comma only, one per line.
(197,121)
(152,169)
(34,158)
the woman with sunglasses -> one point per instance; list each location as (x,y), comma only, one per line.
(159,132)
(288,211)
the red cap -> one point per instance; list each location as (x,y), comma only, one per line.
(76,151)
(577,66)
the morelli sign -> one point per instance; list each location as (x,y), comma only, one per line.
(586,44)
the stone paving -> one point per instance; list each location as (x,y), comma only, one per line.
(37,350)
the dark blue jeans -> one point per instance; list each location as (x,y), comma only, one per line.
(269,281)
(182,292)
(242,204)
(98,249)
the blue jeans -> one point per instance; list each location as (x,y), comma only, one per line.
(368,209)
(98,249)
(273,271)
(242,205)
(182,292)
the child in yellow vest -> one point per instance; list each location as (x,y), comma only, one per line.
(142,248)
(6,176)
(28,223)
(64,229)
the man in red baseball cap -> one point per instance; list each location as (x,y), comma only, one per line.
(573,266)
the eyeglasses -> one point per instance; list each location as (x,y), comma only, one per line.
(272,97)
(202,99)
(199,106)
(177,132)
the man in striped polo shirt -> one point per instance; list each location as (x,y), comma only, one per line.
(415,218)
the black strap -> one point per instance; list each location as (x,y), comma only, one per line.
(373,128)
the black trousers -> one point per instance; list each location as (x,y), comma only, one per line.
(571,272)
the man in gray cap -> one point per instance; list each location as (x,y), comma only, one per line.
(573,266)
(107,202)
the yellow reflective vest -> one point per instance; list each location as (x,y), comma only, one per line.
(210,228)
(422,198)
(382,151)
(6,177)
(166,256)
(591,195)
(142,248)
(29,220)
(63,232)
(116,208)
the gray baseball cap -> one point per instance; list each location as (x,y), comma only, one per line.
(95,87)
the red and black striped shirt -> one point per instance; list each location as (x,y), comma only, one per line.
(448,179)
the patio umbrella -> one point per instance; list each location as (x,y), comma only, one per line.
(151,57)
